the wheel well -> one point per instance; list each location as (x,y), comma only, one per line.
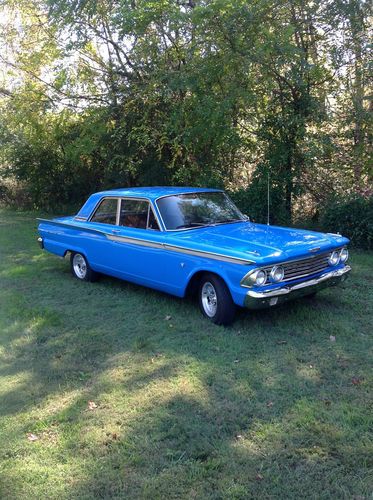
(192,287)
(69,253)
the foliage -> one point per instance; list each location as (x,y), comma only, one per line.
(353,217)
(215,93)
(253,201)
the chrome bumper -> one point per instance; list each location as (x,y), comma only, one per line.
(268,298)
(41,242)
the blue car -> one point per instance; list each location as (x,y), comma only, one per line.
(195,241)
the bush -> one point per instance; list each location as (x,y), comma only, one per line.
(253,202)
(352,218)
(14,194)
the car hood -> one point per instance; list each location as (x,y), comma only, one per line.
(258,242)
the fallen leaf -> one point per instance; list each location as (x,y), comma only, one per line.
(115,435)
(281,342)
(332,338)
(270,404)
(239,436)
(32,437)
(356,380)
(167,318)
(236,361)
(92,405)
(259,477)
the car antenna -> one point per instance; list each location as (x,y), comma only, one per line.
(268,200)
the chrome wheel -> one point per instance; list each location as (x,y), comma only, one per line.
(209,299)
(80,266)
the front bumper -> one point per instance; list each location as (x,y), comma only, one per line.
(268,298)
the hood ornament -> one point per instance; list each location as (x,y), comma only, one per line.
(254,252)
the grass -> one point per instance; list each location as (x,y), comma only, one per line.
(272,407)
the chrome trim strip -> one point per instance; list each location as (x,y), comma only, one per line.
(285,290)
(119,207)
(175,248)
(209,255)
(134,241)
(79,218)
(154,244)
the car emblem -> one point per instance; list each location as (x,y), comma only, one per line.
(314,249)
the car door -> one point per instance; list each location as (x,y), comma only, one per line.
(138,240)
(133,248)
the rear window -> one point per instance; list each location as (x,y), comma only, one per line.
(106,212)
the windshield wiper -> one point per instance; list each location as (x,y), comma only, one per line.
(193,224)
(228,221)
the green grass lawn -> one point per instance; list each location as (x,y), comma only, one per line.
(276,406)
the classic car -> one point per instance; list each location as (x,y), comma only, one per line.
(194,241)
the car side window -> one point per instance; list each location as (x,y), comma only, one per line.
(106,212)
(137,213)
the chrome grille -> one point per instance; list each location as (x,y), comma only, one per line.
(305,267)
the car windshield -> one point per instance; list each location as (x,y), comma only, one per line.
(194,210)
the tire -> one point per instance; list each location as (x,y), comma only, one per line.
(80,268)
(215,300)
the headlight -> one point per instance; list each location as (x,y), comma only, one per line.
(277,274)
(334,258)
(257,277)
(343,255)
(260,277)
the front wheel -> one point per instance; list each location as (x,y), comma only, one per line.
(215,300)
(81,269)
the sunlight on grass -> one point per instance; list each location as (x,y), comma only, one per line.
(11,382)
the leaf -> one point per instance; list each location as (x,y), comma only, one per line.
(259,477)
(167,318)
(92,405)
(356,380)
(332,338)
(32,437)
(270,404)
(281,342)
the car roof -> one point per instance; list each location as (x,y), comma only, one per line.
(151,193)
(155,191)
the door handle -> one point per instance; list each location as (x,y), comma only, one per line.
(115,230)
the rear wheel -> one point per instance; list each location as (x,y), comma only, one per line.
(81,269)
(215,300)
